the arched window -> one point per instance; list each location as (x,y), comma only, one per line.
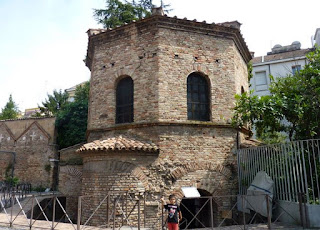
(198,98)
(124,100)
(242,90)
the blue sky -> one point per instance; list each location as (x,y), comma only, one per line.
(43,42)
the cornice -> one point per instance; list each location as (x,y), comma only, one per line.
(157,124)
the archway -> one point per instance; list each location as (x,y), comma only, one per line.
(199,207)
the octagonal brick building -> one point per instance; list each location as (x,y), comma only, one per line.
(161,97)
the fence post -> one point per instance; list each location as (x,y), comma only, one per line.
(32,208)
(79,213)
(127,204)
(53,212)
(108,203)
(139,213)
(243,213)
(268,211)
(211,212)
(114,213)
(161,216)
(144,210)
(301,210)
(306,212)
(121,209)
(11,211)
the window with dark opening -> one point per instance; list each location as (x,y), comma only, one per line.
(198,98)
(124,101)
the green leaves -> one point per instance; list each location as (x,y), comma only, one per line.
(71,122)
(10,110)
(292,107)
(54,103)
(118,13)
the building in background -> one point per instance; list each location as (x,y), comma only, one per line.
(32,140)
(280,62)
(72,91)
(32,112)
(317,37)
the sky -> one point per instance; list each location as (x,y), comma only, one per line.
(43,42)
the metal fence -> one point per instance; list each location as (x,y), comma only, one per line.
(115,210)
(20,192)
(211,213)
(294,167)
(31,210)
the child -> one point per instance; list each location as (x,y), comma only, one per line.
(174,213)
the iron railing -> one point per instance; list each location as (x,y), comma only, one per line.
(20,192)
(34,214)
(294,168)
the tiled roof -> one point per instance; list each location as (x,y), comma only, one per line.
(28,118)
(249,143)
(281,56)
(119,143)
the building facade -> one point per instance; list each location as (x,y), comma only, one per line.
(280,62)
(27,146)
(317,37)
(161,98)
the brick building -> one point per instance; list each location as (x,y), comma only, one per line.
(161,95)
(32,140)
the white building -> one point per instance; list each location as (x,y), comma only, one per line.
(280,62)
(71,91)
(317,37)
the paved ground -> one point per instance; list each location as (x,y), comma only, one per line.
(251,227)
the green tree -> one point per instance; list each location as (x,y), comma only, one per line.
(293,106)
(71,121)
(53,103)
(118,12)
(10,110)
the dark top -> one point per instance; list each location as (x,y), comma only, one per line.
(173,211)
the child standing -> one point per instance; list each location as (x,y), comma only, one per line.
(174,213)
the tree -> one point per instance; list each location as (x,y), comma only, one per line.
(118,13)
(54,103)
(10,110)
(71,121)
(293,106)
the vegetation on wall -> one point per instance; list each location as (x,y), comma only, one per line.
(71,117)
(292,108)
(9,180)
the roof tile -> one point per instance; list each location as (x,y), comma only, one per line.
(281,56)
(119,143)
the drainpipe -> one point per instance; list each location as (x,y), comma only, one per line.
(14,160)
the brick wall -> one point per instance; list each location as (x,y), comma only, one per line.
(159,53)
(188,156)
(159,60)
(32,140)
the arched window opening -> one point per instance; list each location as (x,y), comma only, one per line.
(242,90)
(124,101)
(198,98)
